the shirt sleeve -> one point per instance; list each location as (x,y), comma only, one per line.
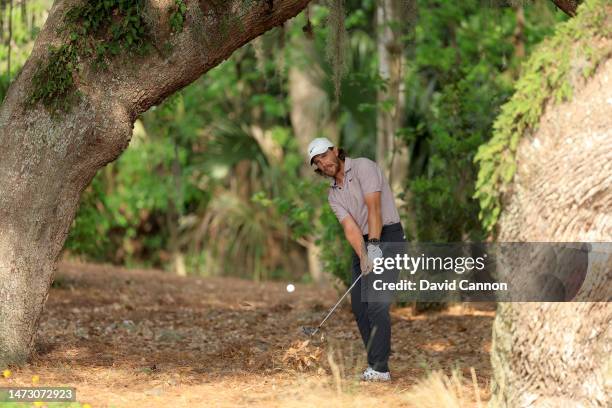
(370,176)
(337,208)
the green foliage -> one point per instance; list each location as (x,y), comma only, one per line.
(25,28)
(95,31)
(53,83)
(149,192)
(104,28)
(546,77)
(335,251)
(177,17)
(89,233)
(304,209)
(458,75)
(124,214)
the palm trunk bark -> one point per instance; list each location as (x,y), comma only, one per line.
(45,164)
(394,19)
(391,153)
(558,354)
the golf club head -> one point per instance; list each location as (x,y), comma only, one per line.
(310,331)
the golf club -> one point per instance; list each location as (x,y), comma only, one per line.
(311,331)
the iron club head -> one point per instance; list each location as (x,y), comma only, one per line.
(310,331)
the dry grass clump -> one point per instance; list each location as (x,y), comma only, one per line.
(439,390)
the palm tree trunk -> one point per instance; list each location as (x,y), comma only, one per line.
(391,153)
(558,354)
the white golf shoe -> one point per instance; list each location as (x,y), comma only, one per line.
(372,375)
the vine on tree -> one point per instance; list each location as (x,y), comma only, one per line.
(547,76)
(96,32)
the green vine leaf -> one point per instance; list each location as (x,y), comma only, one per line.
(546,77)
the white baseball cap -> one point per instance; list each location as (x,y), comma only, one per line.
(318,146)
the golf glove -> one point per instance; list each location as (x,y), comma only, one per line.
(374,250)
(369,255)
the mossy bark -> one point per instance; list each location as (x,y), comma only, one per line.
(45,162)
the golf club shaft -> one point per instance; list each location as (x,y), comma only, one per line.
(336,305)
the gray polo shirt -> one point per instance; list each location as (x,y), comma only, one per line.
(361,176)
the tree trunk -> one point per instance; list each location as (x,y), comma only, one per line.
(9,41)
(395,19)
(310,107)
(310,104)
(391,153)
(46,163)
(518,37)
(558,354)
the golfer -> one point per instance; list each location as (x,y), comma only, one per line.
(361,198)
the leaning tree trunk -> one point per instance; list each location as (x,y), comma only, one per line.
(46,163)
(559,354)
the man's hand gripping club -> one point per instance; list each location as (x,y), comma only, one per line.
(369,253)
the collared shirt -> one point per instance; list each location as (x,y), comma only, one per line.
(361,176)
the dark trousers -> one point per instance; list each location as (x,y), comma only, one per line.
(373,318)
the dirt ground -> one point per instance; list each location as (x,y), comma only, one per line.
(128,338)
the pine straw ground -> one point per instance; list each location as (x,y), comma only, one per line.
(145,338)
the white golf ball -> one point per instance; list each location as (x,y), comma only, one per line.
(290,288)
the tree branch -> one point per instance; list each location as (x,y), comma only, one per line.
(567,6)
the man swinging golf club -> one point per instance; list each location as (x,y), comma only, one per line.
(361,198)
